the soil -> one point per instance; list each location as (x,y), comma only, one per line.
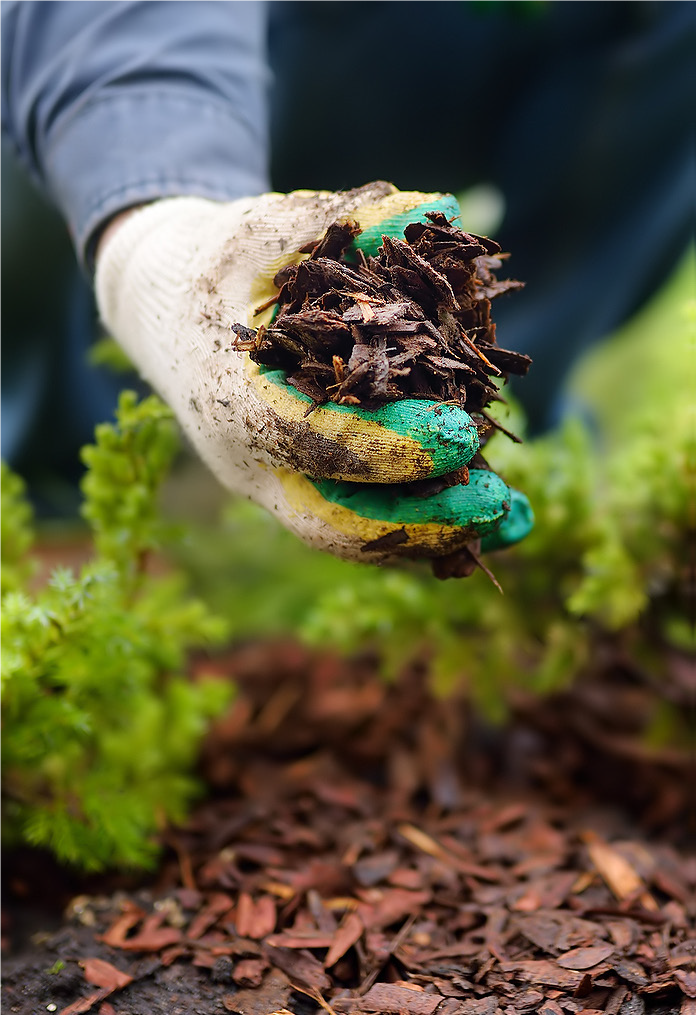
(366,848)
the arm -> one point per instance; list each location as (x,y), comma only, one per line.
(110,105)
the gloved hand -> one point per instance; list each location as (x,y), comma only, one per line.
(173,279)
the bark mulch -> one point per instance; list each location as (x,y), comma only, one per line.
(413,322)
(368,849)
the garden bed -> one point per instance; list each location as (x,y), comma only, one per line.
(366,848)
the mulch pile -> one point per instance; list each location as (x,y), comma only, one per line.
(368,849)
(412,322)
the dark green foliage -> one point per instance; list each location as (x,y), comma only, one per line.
(100,727)
(126,466)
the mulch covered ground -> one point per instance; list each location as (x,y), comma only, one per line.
(366,849)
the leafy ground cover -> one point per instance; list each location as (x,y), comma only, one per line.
(101,725)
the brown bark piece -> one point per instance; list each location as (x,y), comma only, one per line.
(347,934)
(218,905)
(585,958)
(255,919)
(103,974)
(618,873)
(389,997)
(152,937)
(250,972)
(85,1004)
(300,967)
(116,934)
(270,996)
(544,971)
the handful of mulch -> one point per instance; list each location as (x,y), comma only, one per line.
(412,322)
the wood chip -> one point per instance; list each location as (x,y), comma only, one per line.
(347,934)
(85,1004)
(585,958)
(618,873)
(389,997)
(102,974)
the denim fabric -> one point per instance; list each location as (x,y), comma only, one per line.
(115,103)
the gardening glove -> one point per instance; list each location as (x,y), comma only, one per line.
(174,279)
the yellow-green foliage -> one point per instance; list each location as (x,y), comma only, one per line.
(16,531)
(100,727)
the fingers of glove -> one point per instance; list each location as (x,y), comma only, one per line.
(516,525)
(399,442)
(372,522)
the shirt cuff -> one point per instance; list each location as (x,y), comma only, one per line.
(124,150)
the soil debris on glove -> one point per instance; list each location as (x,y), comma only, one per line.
(412,322)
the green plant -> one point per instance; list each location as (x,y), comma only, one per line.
(100,726)
(16,531)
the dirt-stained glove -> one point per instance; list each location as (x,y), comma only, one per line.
(171,283)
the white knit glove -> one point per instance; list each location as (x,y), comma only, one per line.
(172,281)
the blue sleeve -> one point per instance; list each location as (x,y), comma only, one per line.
(109,104)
